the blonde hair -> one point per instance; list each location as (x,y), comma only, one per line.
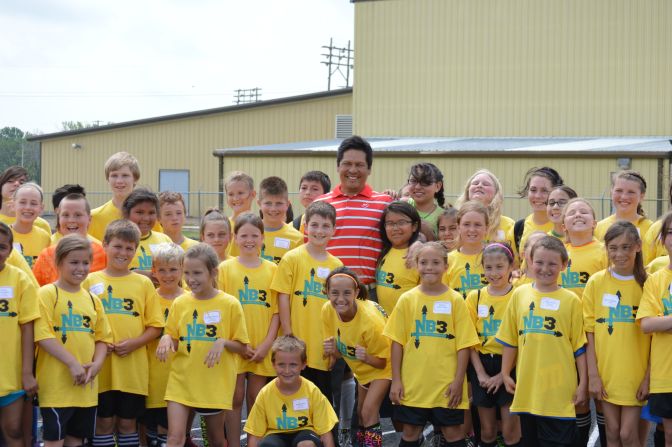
(288,343)
(239,176)
(167,252)
(27,185)
(494,207)
(70,243)
(119,160)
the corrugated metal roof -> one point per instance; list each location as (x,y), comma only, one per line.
(632,146)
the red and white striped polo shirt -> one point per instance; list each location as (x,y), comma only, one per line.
(357,241)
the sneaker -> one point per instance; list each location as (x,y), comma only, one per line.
(344,437)
(470,441)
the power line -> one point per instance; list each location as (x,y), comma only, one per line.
(244,96)
(336,60)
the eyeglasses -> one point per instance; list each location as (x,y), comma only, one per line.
(397,224)
(412,181)
(558,203)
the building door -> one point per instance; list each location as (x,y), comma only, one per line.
(177,181)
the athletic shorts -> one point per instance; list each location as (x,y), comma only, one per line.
(439,417)
(10,398)
(660,405)
(78,422)
(120,404)
(290,439)
(480,397)
(547,431)
(155,417)
(207,411)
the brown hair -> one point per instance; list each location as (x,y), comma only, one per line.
(70,243)
(122,229)
(623,227)
(119,160)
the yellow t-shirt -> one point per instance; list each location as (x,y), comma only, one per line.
(252,288)
(643,224)
(17,260)
(465,273)
(277,243)
(393,278)
(78,321)
(365,329)
(659,263)
(562,237)
(39,222)
(143,255)
(103,215)
(610,304)
(188,243)
(158,371)
(486,312)
(274,412)
(431,329)
(196,324)
(657,302)
(652,246)
(131,306)
(18,306)
(584,261)
(530,227)
(547,329)
(504,233)
(302,277)
(31,244)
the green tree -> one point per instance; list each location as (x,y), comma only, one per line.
(15,150)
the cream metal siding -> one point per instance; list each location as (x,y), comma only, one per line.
(513,68)
(186,144)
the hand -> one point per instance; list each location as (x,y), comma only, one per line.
(29,383)
(509,384)
(360,353)
(454,393)
(643,390)
(494,383)
(165,348)
(125,347)
(396,391)
(596,389)
(78,373)
(483,380)
(516,274)
(261,352)
(92,370)
(110,348)
(248,353)
(410,254)
(215,353)
(329,346)
(392,193)
(581,395)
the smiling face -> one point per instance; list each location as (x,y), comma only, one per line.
(342,292)
(168,274)
(249,240)
(239,196)
(448,231)
(121,182)
(274,209)
(423,192)
(319,230)
(472,228)
(546,266)
(537,194)
(557,200)
(579,218)
(399,229)
(497,269)
(74,267)
(353,171)
(482,188)
(288,366)
(431,265)
(171,216)
(199,279)
(72,217)
(10,186)
(622,251)
(144,216)
(217,235)
(119,253)
(28,205)
(626,195)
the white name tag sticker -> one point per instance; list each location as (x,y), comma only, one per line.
(97,288)
(153,247)
(17,247)
(6,292)
(500,235)
(212,317)
(443,307)
(323,272)
(281,242)
(549,303)
(609,300)
(482,311)
(300,404)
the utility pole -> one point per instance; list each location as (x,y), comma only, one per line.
(338,60)
(243,96)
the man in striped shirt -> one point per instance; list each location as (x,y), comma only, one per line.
(357,241)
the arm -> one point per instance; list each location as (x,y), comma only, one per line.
(595,386)
(93,368)
(215,353)
(327,439)
(483,377)
(283,309)
(581,391)
(262,350)
(656,324)
(125,347)
(397,388)
(252,441)
(27,358)
(363,356)
(643,391)
(509,354)
(166,344)
(56,349)
(454,392)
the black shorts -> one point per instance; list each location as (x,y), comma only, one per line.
(120,404)
(207,411)
(660,404)
(546,431)
(321,379)
(290,439)
(78,422)
(155,417)
(480,397)
(439,417)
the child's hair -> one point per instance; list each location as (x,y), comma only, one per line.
(495,205)
(239,176)
(546,172)
(12,173)
(636,177)
(7,232)
(72,196)
(362,293)
(448,213)
(498,248)
(213,215)
(356,143)
(317,176)
(248,218)
(475,206)
(399,208)
(567,190)
(553,244)
(136,197)
(289,343)
(167,252)
(429,173)
(122,229)
(322,209)
(66,190)
(70,243)
(273,186)
(623,227)
(32,185)
(432,245)
(572,201)
(119,160)
(531,240)
(204,253)
(171,197)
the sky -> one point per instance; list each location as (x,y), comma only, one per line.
(115,61)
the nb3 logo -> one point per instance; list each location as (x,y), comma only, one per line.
(430,328)
(199,332)
(290,422)
(312,288)
(118,306)
(72,322)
